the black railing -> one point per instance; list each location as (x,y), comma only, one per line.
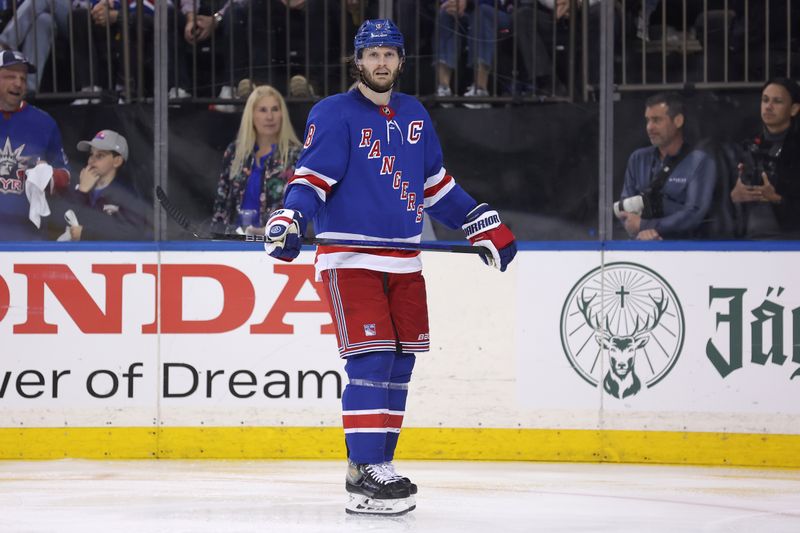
(535,55)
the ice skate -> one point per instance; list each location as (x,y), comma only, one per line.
(374,490)
(412,487)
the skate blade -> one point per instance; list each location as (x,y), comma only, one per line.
(358,504)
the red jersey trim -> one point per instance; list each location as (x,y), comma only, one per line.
(371,251)
(431,191)
(313,180)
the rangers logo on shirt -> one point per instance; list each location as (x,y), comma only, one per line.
(12,172)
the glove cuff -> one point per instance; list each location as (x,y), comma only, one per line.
(500,237)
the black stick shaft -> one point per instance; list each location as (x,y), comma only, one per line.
(178,216)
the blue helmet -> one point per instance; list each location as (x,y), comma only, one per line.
(378,32)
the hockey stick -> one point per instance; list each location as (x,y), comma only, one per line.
(178,216)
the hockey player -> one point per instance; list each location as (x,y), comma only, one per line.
(371,164)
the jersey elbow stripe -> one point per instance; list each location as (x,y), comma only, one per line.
(436,182)
(323,180)
(436,193)
(321,193)
(436,179)
(321,185)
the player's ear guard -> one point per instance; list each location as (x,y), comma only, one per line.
(484,228)
(284,234)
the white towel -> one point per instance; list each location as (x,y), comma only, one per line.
(72,220)
(38,179)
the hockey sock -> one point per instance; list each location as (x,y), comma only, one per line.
(398,392)
(365,406)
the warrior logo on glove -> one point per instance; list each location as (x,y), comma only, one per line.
(483,228)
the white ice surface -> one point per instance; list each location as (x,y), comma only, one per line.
(460,497)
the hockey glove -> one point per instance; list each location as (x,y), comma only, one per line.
(483,228)
(284,234)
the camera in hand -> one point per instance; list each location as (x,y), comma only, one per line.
(759,156)
(649,204)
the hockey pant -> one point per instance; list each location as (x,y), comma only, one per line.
(373,404)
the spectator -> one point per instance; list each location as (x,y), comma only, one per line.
(100,24)
(107,206)
(539,43)
(765,40)
(310,21)
(226,31)
(767,189)
(672,182)
(257,165)
(417,21)
(482,39)
(643,19)
(94,28)
(296,43)
(32,160)
(30,30)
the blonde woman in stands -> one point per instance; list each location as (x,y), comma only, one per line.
(257,165)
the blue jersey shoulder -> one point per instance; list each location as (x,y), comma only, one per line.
(31,112)
(332,106)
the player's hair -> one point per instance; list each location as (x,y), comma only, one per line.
(355,72)
(352,68)
(246,138)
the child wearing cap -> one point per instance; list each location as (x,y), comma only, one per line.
(106,205)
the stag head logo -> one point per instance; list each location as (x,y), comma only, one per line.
(621,380)
(622,326)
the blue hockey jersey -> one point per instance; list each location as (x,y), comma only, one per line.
(26,137)
(368,172)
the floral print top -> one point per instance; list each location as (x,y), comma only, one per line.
(230,190)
